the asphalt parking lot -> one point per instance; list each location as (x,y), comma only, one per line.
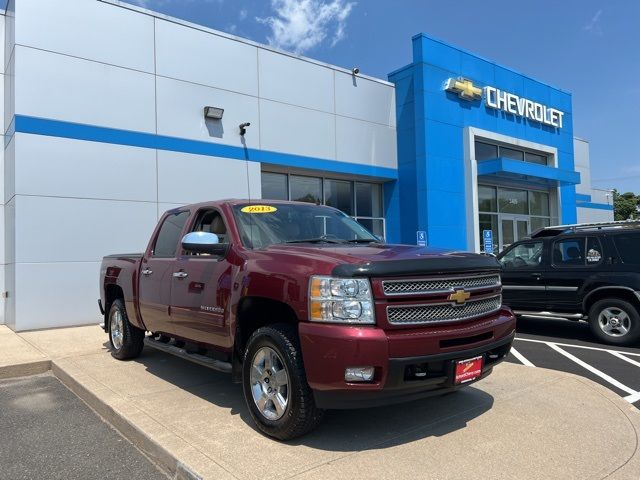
(568,346)
(48,433)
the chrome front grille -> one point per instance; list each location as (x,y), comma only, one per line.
(442,312)
(425,286)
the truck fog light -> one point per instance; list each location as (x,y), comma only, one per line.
(359,374)
(348,309)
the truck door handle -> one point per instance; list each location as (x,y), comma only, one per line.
(180,274)
(536,275)
(147,271)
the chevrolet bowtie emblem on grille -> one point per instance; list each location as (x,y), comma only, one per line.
(460,297)
(464,88)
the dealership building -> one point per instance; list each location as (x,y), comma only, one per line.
(105,129)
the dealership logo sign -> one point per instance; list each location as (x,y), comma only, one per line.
(505,101)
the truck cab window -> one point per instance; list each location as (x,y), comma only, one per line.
(211,221)
(167,240)
(523,255)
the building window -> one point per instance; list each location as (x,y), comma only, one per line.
(489,151)
(361,200)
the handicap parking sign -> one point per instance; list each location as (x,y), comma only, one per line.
(487,237)
(421,238)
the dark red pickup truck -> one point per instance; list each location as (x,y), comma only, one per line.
(306,308)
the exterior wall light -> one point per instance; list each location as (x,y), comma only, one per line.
(214,113)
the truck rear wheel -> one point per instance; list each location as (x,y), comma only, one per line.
(126,340)
(275,385)
(615,321)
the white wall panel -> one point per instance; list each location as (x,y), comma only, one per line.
(9,303)
(186,178)
(2,36)
(589,215)
(9,163)
(76,168)
(294,81)
(2,154)
(2,124)
(181,113)
(9,236)
(9,103)
(189,54)
(65,88)
(289,129)
(56,294)
(87,29)
(2,299)
(366,143)
(9,32)
(50,229)
(365,99)
(3,258)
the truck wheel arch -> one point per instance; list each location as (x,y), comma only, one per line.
(112,292)
(254,312)
(624,293)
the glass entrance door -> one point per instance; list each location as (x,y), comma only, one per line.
(512,228)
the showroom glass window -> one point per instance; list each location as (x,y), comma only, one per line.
(488,151)
(360,200)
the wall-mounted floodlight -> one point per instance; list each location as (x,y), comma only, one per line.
(214,113)
(243,128)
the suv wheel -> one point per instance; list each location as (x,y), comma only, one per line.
(615,321)
(275,385)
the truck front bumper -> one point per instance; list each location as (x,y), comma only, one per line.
(329,349)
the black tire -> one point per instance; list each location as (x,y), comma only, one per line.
(630,321)
(132,338)
(301,414)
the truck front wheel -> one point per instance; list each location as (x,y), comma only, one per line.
(126,340)
(615,321)
(275,385)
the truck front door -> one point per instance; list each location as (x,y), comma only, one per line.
(202,288)
(158,265)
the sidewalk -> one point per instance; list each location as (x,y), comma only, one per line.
(518,423)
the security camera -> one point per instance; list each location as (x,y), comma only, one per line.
(243,128)
(355,70)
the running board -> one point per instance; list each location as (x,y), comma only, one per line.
(550,315)
(203,360)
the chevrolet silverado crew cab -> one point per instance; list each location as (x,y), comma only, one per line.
(579,272)
(306,308)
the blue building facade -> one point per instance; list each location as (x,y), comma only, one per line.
(480,147)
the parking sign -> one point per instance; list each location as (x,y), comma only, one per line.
(421,238)
(487,240)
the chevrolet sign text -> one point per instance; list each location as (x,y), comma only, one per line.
(515,105)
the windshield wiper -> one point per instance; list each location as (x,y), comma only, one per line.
(364,240)
(316,240)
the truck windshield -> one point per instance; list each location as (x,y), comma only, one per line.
(263,225)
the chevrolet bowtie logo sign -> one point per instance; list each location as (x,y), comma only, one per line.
(460,297)
(464,88)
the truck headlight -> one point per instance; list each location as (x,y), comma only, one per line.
(340,300)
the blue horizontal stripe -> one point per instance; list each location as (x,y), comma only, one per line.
(595,206)
(581,197)
(503,165)
(92,133)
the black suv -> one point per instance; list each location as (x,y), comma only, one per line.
(579,272)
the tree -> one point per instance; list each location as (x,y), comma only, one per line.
(626,205)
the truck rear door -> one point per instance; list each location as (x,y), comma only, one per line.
(156,273)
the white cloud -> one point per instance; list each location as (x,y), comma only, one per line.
(300,25)
(593,26)
(243,14)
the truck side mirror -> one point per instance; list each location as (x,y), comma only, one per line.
(204,242)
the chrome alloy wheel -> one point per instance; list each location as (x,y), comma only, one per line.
(614,321)
(116,329)
(269,383)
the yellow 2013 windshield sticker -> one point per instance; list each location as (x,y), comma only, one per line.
(258,209)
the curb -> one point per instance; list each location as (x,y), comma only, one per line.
(24,369)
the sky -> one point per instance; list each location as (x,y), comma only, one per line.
(586,47)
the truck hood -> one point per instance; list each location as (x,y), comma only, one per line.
(382,260)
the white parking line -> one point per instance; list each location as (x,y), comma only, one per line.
(546,342)
(521,358)
(633,398)
(622,357)
(632,393)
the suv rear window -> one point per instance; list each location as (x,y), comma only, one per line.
(628,245)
